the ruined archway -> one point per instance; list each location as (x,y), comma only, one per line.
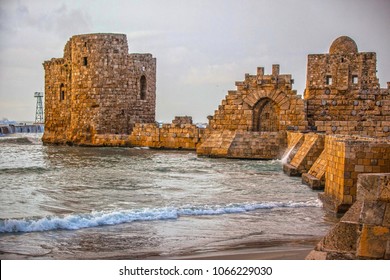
(266,115)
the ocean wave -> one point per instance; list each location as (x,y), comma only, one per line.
(25,140)
(104,218)
(23,170)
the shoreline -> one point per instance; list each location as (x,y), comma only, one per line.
(265,250)
(270,250)
(272,253)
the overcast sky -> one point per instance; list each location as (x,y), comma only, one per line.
(202,47)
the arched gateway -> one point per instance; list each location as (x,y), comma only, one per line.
(266,115)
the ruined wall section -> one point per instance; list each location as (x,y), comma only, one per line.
(57,100)
(180,134)
(364,231)
(346,158)
(261,103)
(142,71)
(306,156)
(343,94)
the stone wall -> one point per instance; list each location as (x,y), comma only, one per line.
(182,120)
(217,143)
(261,103)
(315,177)
(294,143)
(364,231)
(181,134)
(97,88)
(346,157)
(306,155)
(244,144)
(257,145)
(343,94)
(261,107)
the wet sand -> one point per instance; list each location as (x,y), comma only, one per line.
(273,250)
(296,249)
(275,253)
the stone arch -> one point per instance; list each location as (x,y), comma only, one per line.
(266,115)
(279,97)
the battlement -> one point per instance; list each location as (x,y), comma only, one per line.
(274,80)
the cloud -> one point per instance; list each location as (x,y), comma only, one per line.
(210,74)
(65,21)
(202,47)
(17,17)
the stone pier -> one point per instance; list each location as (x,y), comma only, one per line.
(308,152)
(346,158)
(364,231)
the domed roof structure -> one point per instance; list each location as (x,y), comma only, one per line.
(343,45)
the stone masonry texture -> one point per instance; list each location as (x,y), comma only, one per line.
(342,93)
(364,231)
(97,88)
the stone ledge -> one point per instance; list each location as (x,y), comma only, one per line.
(290,170)
(312,182)
(364,231)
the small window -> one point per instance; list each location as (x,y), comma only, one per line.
(143,87)
(85,61)
(355,79)
(62,92)
(328,80)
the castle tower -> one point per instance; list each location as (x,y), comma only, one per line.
(342,90)
(98,88)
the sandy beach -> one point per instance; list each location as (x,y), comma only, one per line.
(273,250)
(270,250)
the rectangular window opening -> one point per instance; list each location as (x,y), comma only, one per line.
(355,79)
(328,80)
(85,61)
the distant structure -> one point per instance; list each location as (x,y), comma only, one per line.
(39,108)
(97,88)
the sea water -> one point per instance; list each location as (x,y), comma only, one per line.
(63,202)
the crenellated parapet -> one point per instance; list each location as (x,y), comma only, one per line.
(264,103)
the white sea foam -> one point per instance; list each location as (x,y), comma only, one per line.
(94,219)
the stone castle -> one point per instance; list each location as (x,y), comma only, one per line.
(97,88)
(99,95)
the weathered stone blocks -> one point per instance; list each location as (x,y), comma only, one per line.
(307,154)
(343,94)
(346,157)
(97,88)
(180,134)
(364,231)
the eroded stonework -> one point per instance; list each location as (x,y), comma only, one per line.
(97,88)
(343,94)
